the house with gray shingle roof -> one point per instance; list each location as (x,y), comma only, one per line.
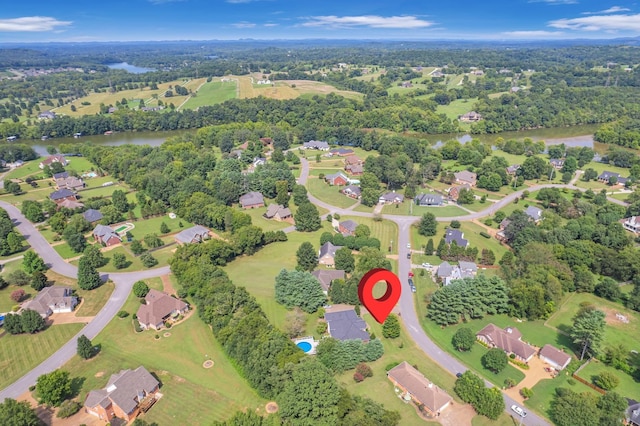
(53,300)
(318,145)
(123,395)
(534,213)
(62,194)
(606,175)
(327,253)
(106,235)
(391,198)
(92,215)
(352,191)
(252,200)
(348,227)
(326,276)
(346,325)
(195,234)
(452,235)
(429,200)
(277,212)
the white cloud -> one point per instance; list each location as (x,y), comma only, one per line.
(533,34)
(270,25)
(32,24)
(554,2)
(373,21)
(600,23)
(613,9)
(244,24)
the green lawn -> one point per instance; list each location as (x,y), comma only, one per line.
(101,191)
(79,164)
(616,332)
(192,394)
(439,211)
(151,225)
(211,93)
(6,303)
(93,300)
(545,390)
(628,387)
(65,251)
(456,108)
(162,255)
(266,224)
(385,230)
(327,193)
(22,352)
(472,234)
(28,168)
(266,264)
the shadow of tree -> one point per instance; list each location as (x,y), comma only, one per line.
(76,386)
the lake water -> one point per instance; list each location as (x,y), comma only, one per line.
(570,136)
(130,68)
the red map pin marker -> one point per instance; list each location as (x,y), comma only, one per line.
(379,308)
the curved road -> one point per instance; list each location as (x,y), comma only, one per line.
(407,305)
(123,284)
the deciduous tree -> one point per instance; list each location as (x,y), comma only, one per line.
(307,257)
(53,388)
(14,413)
(495,359)
(463,339)
(587,331)
(307,218)
(344,260)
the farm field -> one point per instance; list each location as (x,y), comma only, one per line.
(20,353)
(192,394)
(312,88)
(212,93)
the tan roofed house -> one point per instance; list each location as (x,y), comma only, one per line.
(195,234)
(158,308)
(508,340)
(277,212)
(252,200)
(126,394)
(419,388)
(53,300)
(326,276)
(466,177)
(71,182)
(555,357)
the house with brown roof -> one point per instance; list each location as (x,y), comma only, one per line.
(507,339)
(70,182)
(454,191)
(105,235)
(419,389)
(326,276)
(71,204)
(354,169)
(53,300)
(57,158)
(470,116)
(352,160)
(158,308)
(554,357)
(127,394)
(195,234)
(466,177)
(277,212)
(252,200)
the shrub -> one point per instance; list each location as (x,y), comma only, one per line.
(488,222)
(157,336)
(512,356)
(526,393)
(32,388)
(17,295)
(484,234)
(136,325)
(123,314)
(358,377)
(392,365)
(520,364)
(455,224)
(167,324)
(606,380)
(68,408)
(364,370)
(509,383)
(321,328)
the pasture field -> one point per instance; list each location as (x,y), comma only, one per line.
(456,108)
(214,92)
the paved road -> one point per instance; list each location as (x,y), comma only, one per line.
(123,283)
(407,303)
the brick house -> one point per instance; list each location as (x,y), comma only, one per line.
(352,191)
(106,236)
(336,179)
(158,308)
(126,394)
(347,227)
(507,339)
(419,389)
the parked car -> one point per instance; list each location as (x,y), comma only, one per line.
(458,375)
(410,274)
(408,245)
(411,284)
(413,289)
(409,255)
(519,411)
(427,265)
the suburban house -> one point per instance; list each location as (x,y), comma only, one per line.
(126,394)
(557,163)
(70,204)
(53,300)
(429,200)
(92,215)
(57,158)
(61,195)
(347,227)
(466,177)
(159,307)
(447,272)
(633,415)
(418,388)
(470,116)
(195,234)
(352,191)
(341,152)
(534,213)
(326,276)
(555,357)
(407,84)
(508,340)
(437,74)
(631,224)
(452,235)
(71,182)
(336,179)
(106,235)
(346,325)
(354,169)
(327,253)
(277,212)
(391,198)
(352,160)
(454,191)
(252,200)
(258,161)
(47,115)
(61,175)
(318,145)
(605,176)
(513,169)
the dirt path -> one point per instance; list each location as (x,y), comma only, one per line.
(69,318)
(167,287)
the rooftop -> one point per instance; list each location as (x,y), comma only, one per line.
(346,325)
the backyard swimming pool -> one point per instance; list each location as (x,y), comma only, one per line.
(305,346)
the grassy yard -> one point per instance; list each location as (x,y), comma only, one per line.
(386,231)
(628,387)
(94,300)
(151,225)
(616,332)
(211,93)
(6,303)
(327,193)
(406,209)
(22,352)
(65,251)
(472,234)
(258,219)
(266,264)
(456,108)
(545,390)
(27,169)
(192,394)
(101,191)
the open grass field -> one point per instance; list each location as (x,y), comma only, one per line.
(20,353)
(146,94)
(65,251)
(386,231)
(93,300)
(456,108)
(214,92)
(628,387)
(27,169)
(192,394)
(312,88)
(266,264)
(545,390)
(6,303)
(616,332)
(102,191)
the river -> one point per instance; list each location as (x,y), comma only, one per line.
(570,136)
(130,68)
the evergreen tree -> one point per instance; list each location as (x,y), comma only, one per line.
(119,260)
(428,225)
(307,218)
(344,260)
(85,347)
(442,248)
(429,249)
(391,327)
(88,276)
(588,330)
(164,229)
(282,193)
(94,256)
(307,257)
(38,280)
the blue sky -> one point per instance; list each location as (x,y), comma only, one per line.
(124,20)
